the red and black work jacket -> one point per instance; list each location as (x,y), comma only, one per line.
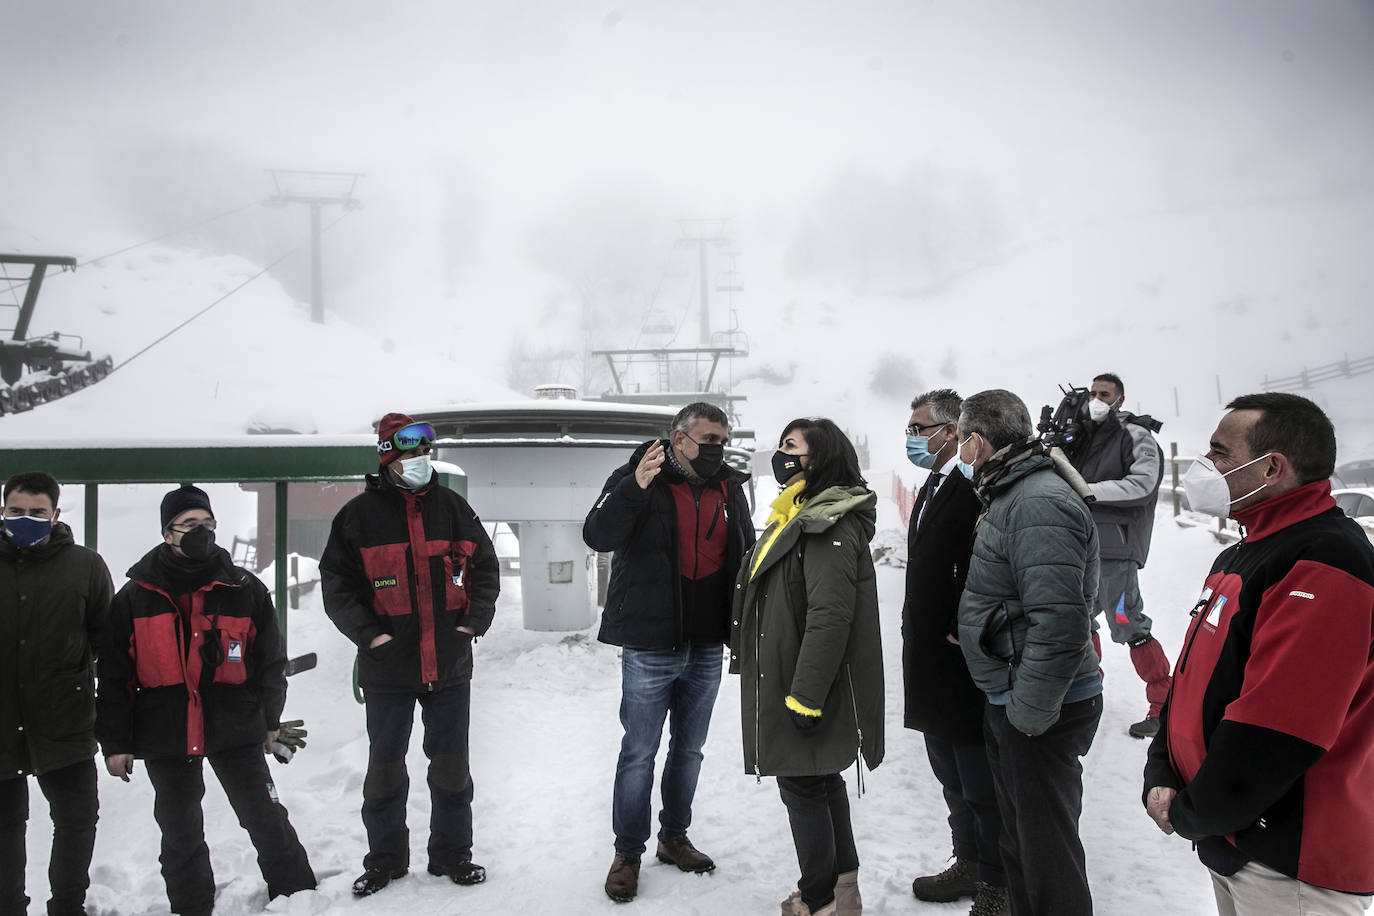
(415,566)
(677,547)
(1268,733)
(193,673)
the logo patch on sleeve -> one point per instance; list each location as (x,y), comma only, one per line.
(381,582)
(235,651)
(1297,594)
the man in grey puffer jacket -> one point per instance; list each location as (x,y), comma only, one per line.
(1025,630)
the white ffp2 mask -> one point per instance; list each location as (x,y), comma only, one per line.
(1206,488)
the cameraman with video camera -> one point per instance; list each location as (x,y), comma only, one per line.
(1116,453)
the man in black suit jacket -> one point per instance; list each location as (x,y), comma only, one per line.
(941,699)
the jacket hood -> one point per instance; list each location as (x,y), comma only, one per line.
(382,483)
(60,538)
(148,569)
(830,505)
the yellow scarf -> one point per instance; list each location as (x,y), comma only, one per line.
(785,508)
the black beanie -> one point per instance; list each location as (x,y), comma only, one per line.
(182,498)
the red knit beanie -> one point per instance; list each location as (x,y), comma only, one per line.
(386,428)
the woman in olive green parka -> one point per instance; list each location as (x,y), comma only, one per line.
(806,644)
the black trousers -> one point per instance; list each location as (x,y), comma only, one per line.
(1040,791)
(72,799)
(179,786)
(818,809)
(445,716)
(975,822)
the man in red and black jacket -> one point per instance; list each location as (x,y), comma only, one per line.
(193,667)
(410,576)
(678,521)
(1265,755)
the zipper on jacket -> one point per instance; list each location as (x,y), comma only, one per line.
(758,691)
(859,754)
(715,517)
(1197,610)
(696,545)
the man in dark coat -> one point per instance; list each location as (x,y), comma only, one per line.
(941,699)
(53,599)
(678,521)
(193,668)
(411,578)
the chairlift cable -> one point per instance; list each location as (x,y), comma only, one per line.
(18,283)
(231,292)
(168,235)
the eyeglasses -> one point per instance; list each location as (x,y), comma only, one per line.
(915,428)
(408,437)
(189,526)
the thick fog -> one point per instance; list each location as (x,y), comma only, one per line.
(914,193)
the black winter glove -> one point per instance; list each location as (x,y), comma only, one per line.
(803,717)
(292,734)
(290,739)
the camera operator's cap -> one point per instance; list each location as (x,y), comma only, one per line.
(180,500)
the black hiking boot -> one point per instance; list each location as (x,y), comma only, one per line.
(951,884)
(464,873)
(374,879)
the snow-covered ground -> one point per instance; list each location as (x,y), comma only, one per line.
(545,734)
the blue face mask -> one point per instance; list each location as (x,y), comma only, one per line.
(964,467)
(918,451)
(26,532)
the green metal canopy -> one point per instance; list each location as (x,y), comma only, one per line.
(275,458)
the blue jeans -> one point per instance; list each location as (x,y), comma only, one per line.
(679,685)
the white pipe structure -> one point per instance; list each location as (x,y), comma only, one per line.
(538,466)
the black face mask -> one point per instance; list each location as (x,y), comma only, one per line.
(198,543)
(785,467)
(708,460)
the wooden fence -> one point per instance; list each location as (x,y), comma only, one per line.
(1305,379)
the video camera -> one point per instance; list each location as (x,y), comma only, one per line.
(1060,427)
(1063,426)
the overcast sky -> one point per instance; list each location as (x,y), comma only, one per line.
(720,99)
(475,121)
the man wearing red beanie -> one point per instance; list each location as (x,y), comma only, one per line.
(410,576)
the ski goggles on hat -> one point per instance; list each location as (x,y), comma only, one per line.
(407,438)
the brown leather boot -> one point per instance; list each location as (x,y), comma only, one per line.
(679,851)
(622,883)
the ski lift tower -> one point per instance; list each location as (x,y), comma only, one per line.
(316,190)
(688,373)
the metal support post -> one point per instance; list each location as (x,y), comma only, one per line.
(279,549)
(316,271)
(92,514)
